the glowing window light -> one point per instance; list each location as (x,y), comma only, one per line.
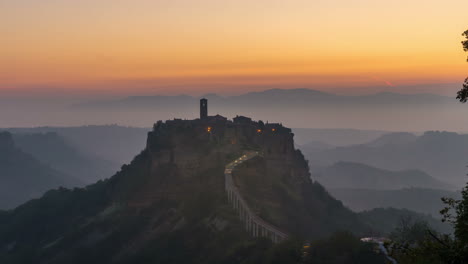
(259,131)
(273,129)
(208,129)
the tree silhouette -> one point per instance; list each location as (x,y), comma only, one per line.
(465,42)
(462,95)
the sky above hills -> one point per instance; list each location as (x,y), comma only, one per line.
(298,108)
(230,46)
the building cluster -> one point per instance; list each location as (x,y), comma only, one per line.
(271,138)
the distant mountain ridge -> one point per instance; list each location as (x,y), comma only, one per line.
(295,107)
(361,176)
(22,177)
(426,201)
(53,150)
(399,138)
(113,143)
(334,136)
(297,97)
(438,153)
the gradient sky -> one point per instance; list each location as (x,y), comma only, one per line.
(190,46)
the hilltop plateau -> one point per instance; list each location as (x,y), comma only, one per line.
(174,189)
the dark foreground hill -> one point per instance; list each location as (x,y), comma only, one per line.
(169,204)
(22,177)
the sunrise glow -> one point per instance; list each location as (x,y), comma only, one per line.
(223,46)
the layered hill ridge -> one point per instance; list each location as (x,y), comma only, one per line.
(23,177)
(171,199)
(438,153)
(117,144)
(356,175)
(52,149)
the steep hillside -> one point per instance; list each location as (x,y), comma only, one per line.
(279,193)
(360,176)
(56,152)
(169,204)
(22,177)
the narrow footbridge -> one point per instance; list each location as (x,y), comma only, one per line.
(256,226)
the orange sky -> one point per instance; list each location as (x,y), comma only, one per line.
(169,46)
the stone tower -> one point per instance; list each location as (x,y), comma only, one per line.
(203,108)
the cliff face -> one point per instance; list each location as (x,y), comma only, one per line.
(189,155)
(171,199)
(187,158)
(283,195)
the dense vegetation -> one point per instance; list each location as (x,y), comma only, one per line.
(416,243)
(342,247)
(383,221)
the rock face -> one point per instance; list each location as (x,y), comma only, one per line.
(188,157)
(193,149)
(172,199)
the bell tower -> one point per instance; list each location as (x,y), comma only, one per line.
(203,108)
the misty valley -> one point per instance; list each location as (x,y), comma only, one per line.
(233,132)
(88,192)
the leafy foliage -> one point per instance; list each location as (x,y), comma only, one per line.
(384,221)
(436,248)
(416,243)
(342,247)
(462,95)
(465,42)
